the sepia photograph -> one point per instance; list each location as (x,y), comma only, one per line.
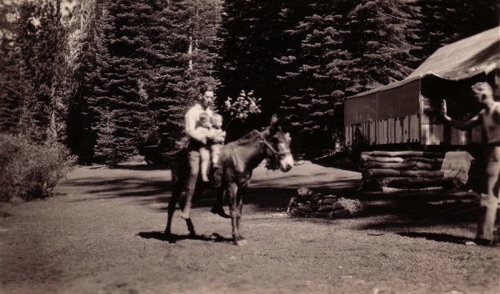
(249,146)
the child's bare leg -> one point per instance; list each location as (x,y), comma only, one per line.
(215,152)
(215,161)
(205,164)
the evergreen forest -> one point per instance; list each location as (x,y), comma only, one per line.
(107,77)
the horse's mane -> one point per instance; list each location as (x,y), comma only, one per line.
(248,137)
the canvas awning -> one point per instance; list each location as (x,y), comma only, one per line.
(465,58)
(478,54)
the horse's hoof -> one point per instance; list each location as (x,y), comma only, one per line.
(185,216)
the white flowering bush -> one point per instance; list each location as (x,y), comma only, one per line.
(244,107)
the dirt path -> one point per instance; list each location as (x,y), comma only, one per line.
(102,234)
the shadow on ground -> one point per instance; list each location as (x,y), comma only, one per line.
(438,237)
(272,193)
(123,187)
(173,238)
(141,167)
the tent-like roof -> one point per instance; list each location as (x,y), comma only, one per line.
(457,61)
(464,58)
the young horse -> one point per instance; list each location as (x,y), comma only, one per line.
(237,161)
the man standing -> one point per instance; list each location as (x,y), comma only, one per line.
(489,117)
(197,140)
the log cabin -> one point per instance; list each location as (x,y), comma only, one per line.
(407,113)
(402,120)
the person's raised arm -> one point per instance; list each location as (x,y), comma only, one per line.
(472,122)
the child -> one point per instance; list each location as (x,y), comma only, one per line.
(210,128)
(218,136)
(203,130)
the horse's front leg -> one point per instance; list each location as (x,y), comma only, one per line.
(239,207)
(236,204)
(232,190)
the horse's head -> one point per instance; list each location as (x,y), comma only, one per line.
(278,145)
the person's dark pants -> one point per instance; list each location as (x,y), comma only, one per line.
(194,160)
(194,170)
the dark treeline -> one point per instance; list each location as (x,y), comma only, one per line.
(107,77)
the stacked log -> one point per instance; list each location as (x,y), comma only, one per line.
(405,171)
(312,204)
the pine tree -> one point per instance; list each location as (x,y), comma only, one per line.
(252,34)
(36,67)
(186,46)
(379,43)
(117,103)
(12,90)
(81,138)
(146,76)
(317,74)
(443,23)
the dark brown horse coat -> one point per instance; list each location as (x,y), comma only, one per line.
(237,161)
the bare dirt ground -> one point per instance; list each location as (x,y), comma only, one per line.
(102,233)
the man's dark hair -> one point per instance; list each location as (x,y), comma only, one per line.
(204,88)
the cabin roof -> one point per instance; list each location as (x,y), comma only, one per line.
(460,60)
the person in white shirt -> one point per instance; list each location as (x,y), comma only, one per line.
(196,141)
(489,118)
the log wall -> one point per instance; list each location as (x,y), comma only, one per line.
(405,171)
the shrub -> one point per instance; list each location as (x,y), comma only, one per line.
(29,170)
(242,108)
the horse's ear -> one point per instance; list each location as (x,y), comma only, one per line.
(274,120)
(274,126)
(288,138)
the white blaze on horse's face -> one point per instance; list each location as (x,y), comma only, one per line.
(286,158)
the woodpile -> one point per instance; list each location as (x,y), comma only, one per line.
(412,171)
(311,204)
